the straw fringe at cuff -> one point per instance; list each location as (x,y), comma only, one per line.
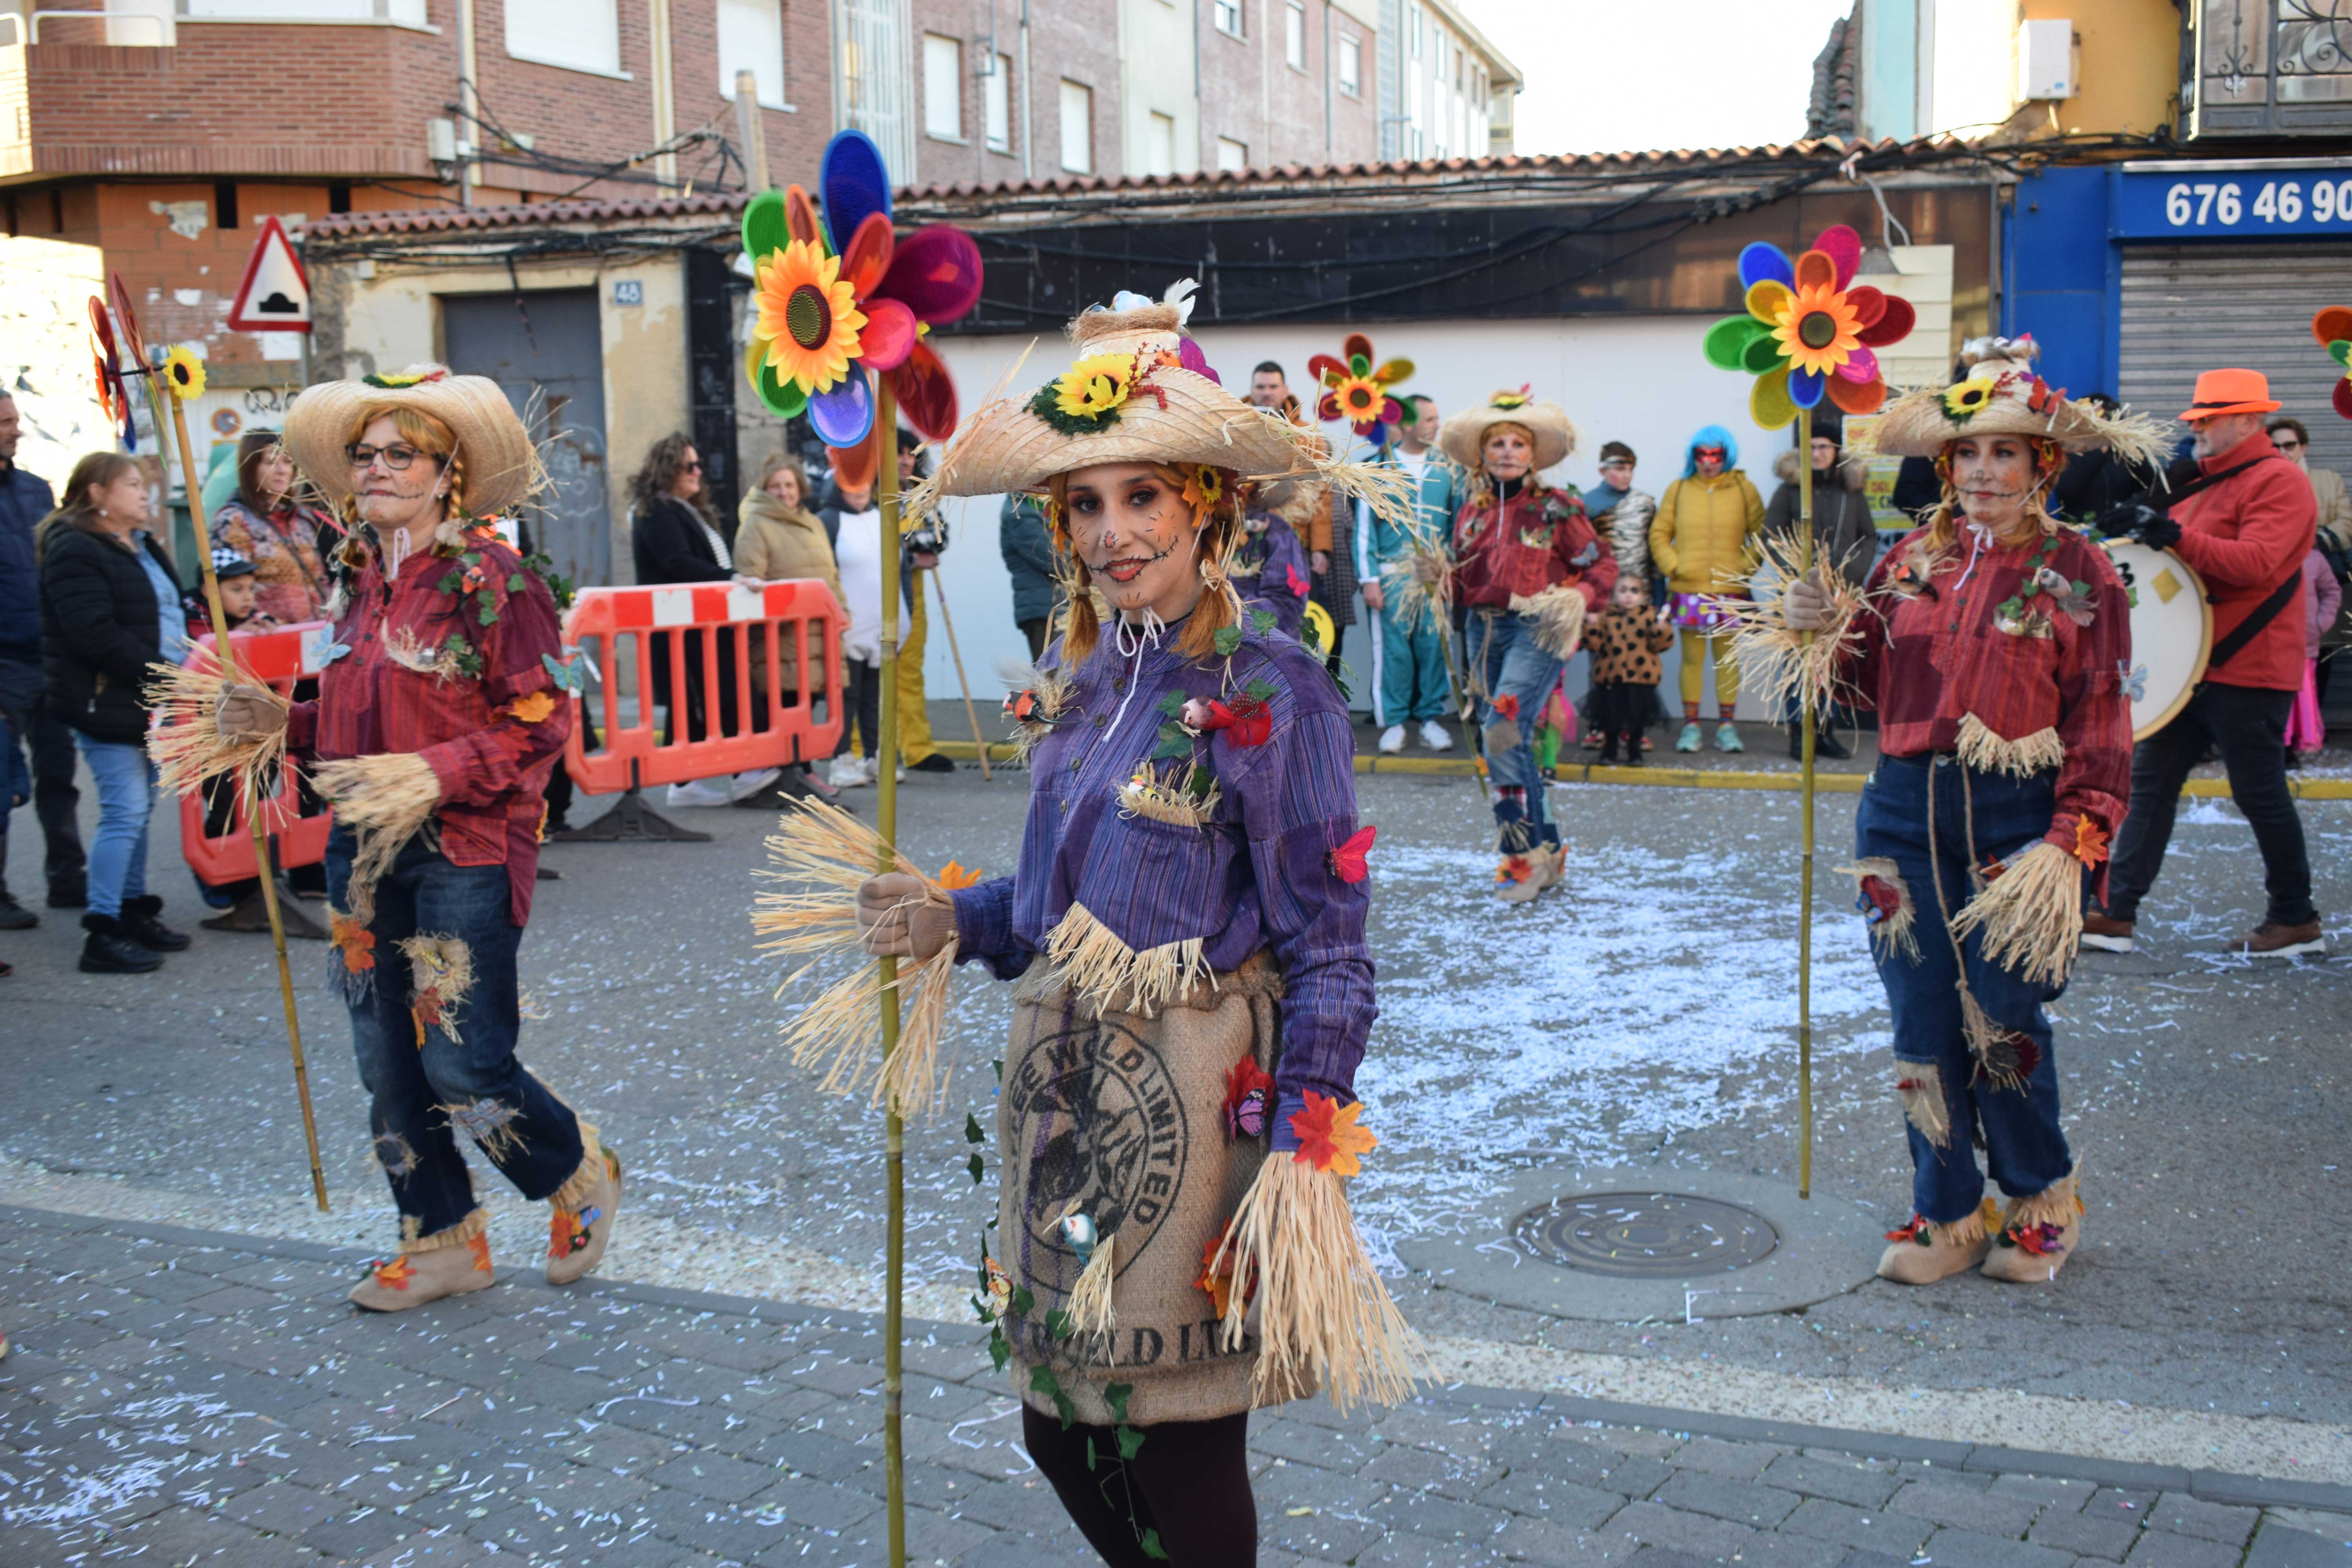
(2058,1203)
(1979,748)
(1321,1306)
(824,855)
(1555,618)
(383,799)
(1968,1229)
(1090,1305)
(2031,915)
(1776,661)
(1898,933)
(1111,977)
(1419,588)
(187,745)
(579,1186)
(463,1232)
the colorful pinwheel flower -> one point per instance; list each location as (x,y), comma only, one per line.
(1357,390)
(2332,328)
(1808,333)
(841,295)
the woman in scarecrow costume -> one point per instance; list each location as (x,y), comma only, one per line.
(1270,567)
(1186,931)
(1995,644)
(1528,567)
(437,724)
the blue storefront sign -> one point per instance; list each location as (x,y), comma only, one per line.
(2230,202)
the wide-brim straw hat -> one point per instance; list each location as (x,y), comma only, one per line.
(1463,436)
(2000,395)
(501,467)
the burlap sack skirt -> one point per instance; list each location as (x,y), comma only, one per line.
(1124,1116)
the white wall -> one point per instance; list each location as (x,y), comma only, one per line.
(1641,380)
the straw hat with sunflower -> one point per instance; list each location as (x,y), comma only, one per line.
(1463,436)
(1999,393)
(497,465)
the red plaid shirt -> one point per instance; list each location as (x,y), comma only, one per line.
(1535,540)
(486,636)
(1947,638)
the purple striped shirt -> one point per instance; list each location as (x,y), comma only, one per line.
(1258,875)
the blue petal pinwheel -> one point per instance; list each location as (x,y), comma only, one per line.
(1808,333)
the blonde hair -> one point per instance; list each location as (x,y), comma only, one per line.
(778,462)
(1220,525)
(95,471)
(422,431)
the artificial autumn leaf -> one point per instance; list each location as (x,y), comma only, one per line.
(532,706)
(1507,706)
(2090,844)
(354,940)
(1329,1138)
(953,875)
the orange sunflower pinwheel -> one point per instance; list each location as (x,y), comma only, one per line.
(1809,331)
(1356,388)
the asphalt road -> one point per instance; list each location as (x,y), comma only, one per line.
(1642,1017)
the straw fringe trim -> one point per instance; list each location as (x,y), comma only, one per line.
(1555,618)
(1321,1307)
(1778,662)
(2058,1203)
(465,1231)
(1420,587)
(1110,976)
(383,799)
(573,1195)
(824,855)
(1171,803)
(187,746)
(2031,915)
(1090,1305)
(1968,1229)
(1979,748)
(441,976)
(1897,932)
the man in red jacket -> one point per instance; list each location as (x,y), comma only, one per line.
(2246,533)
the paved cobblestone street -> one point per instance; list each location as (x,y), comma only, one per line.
(181,1398)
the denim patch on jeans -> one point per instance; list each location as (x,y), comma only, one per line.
(1511,665)
(126,799)
(462,1076)
(2018,1127)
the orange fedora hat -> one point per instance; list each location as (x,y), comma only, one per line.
(2231,392)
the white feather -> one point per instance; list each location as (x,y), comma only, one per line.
(1180,294)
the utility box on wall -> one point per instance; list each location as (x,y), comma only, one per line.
(2046,61)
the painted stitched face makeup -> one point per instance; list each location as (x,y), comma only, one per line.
(1994,475)
(1137,537)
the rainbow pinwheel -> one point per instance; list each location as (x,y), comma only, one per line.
(2332,328)
(830,312)
(1808,333)
(1357,390)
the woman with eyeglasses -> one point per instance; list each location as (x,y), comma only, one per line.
(437,724)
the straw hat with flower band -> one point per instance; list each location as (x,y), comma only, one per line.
(1237,1280)
(1463,436)
(495,468)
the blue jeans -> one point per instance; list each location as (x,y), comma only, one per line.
(126,798)
(1941,1089)
(1508,664)
(431,1080)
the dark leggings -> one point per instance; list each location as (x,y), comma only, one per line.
(1190,1480)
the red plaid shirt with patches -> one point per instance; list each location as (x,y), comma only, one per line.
(493,764)
(1932,650)
(1538,538)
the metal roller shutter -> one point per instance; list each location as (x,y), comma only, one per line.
(2202,307)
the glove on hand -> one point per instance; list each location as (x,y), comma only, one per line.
(247,714)
(1805,603)
(2156,531)
(899,920)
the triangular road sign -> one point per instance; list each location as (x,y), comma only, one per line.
(275,294)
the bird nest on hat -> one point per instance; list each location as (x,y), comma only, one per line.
(495,467)
(1463,436)
(2000,395)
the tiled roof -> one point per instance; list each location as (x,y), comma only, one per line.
(1829,108)
(523,215)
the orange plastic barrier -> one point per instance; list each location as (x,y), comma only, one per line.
(617,625)
(279,659)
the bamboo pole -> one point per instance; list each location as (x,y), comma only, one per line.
(979,741)
(1805,896)
(261,865)
(894,1468)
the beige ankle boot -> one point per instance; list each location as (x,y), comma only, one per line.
(1923,1252)
(584,1209)
(2037,1235)
(1544,865)
(450,1264)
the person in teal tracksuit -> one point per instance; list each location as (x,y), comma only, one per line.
(1409,682)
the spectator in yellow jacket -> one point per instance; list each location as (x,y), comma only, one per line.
(1704,536)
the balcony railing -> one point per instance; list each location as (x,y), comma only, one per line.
(2267,68)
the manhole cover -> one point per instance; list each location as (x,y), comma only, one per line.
(1646,1235)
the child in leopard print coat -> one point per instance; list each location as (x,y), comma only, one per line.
(1625,643)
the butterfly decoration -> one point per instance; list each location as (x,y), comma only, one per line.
(2072,598)
(2133,680)
(1249,1099)
(1347,860)
(1298,585)
(571,673)
(1878,901)
(334,651)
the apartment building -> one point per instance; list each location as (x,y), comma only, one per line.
(1445,90)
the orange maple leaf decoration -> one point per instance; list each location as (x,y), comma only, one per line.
(532,707)
(1329,1138)
(1217,1282)
(354,940)
(2090,844)
(953,875)
(396,1274)
(480,1247)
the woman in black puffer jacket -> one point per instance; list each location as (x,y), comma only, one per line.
(109,607)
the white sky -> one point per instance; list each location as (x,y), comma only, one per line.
(1607,76)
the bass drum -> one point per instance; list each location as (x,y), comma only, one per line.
(2172,632)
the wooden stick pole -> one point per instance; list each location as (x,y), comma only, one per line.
(1805,896)
(979,741)
(885,762)
(195,485)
